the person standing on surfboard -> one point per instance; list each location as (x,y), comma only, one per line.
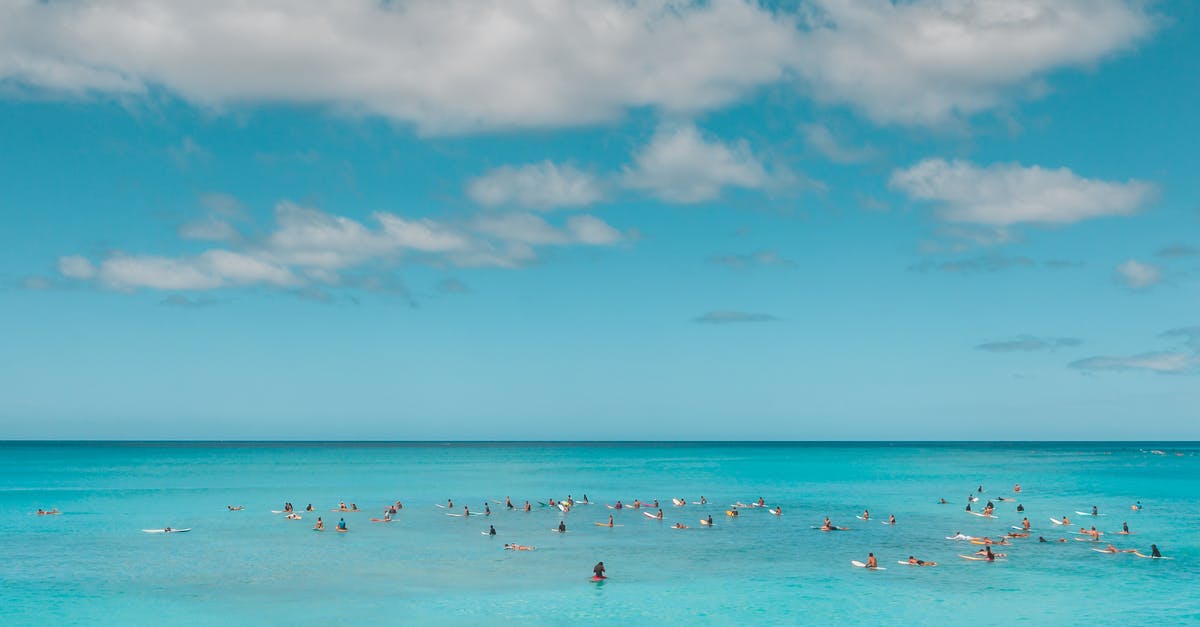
(598,569)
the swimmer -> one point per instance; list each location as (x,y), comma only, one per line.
(913,561)
(1020,508)
(943,501)
(1017,488)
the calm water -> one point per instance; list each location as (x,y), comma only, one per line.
(94,565)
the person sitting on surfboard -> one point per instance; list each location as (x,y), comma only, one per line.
(871,561)
(487,510)
(341,524)
(1025,523)
(1154,551)
(528,507)
(598,570)
(660,515)
(1095,512)
(710,520)
(1125,528)
(1065,520)
(491,530)
(618,505)
(610,520)
(562,526)
(320,526)
(1020,508)
(866,515)
(892,519)
(466,511)
(761,502)
(508,503)
(704,501)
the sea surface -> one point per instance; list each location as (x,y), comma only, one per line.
(94,565)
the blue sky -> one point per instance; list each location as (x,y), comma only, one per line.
(840,219)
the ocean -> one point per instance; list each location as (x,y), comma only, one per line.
(93,564)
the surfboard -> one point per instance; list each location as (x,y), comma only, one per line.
(557,530)
(341,530)
(906,563)
(1104,551)
(1087,540)
(597,578)
(776,512)
(964,537)
(383,520)
(1151,557)
(486,533)
(981,515)
(649,515)
(1088,513)
(973,558)
(604,524)
(861,518)
(166,530)
(704,521)
(862,565)
(1057,521)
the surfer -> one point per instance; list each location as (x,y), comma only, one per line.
(1025,523)
(508,503)
(585,499)
(761,502)
(466,511)
(562,526)
(704,501)
(968,507)
(709,520)
(1111,549)
(528,506)
(1065,520)
(341,506)
(354,507)
(871,561)
(913,561)
(491,530)
(679,526)
(891,519)
(1125,528)
(320,526)
(987,552)
(1154,551)
(943,501)
(1020,508)
(449,503)
(1017,488)
(1136,507)
(980,489)
(309,508)
(342,524)
(659,516)
(610,520)
(232,508)
(619,505)
(487,510)
(866,515)
(519,547)
(1095,512)
(598,570)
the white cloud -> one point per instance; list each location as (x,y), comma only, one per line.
(928,61)
(76,267)
(1163,363)
(821,139)
(1004,194)
(541,186)
(1137,275)
(310,248)
(679,165)
(444,65)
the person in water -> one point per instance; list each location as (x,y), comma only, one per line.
(660,515)
(466,511)
(598,570)
(1095,512)
(679,526)
(1020,508)
(892,519)
(943,501)
(1125,528)
(491,530)
(619,505)
(968,507)
(562,526)
(449,503)
(703,501)
(710,520)
(309,508)
(871,561)
(866,515)
(342,524)
(1154,551)
(610,520)
(519,547)
(1025,523)
(320,526)
(508,503)
(1017,488)
(487,510)
(916,562)
(528,507)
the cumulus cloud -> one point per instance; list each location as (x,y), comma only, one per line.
(1137,275)
(542,186)
(680,165)
(443,65)
(308,248)
(1005,194)
(1029,343)
(928,61)
(1161,362)
(821,139)
(743,261)
(728,317)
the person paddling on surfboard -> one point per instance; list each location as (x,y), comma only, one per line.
(598,571)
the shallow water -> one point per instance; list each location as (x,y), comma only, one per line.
(93,564)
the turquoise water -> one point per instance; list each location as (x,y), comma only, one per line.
(93,564)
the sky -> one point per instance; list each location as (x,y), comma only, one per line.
(616,220)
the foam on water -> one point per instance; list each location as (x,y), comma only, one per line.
(93,564)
